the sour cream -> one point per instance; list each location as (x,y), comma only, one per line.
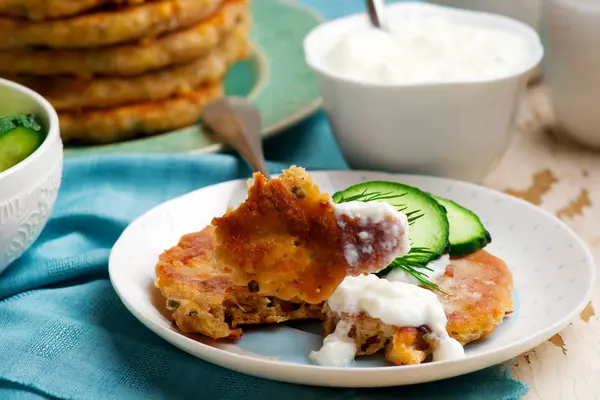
(338,348)
(393,223)
(436,268)
(394,303)
(426,49)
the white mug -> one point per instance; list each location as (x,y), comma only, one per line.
(572,67)
(527,11)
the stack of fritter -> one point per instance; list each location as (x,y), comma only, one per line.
(116,69)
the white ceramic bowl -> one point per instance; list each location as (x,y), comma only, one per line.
(28,190)
(458,130)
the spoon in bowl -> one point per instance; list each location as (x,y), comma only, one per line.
(375,9)
(238,122)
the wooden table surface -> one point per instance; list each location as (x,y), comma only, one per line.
(547,169)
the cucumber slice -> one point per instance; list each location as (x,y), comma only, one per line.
(467,233)
(18,144)
(429,230)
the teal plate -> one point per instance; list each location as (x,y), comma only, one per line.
(275,79)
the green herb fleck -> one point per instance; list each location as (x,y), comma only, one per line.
(253,287)
(172,305)
(10,122)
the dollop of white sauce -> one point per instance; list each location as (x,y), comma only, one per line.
(436,269)
(338,348)
(374,212)
(396,303)
(393,223)
(449,349)
(427,49)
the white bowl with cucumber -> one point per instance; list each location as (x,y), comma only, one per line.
(31,158)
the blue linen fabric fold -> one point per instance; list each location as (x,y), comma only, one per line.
(65,334)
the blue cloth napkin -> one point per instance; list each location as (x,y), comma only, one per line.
(65,334)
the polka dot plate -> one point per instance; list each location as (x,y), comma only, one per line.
(553,272)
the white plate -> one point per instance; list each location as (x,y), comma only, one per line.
(553,272)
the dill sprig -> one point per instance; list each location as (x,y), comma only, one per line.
(10,122)
(411,263)
(367,196)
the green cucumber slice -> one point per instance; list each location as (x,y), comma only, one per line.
(467,233)
(429,229)
(18,144)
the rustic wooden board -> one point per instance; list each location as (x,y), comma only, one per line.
(547,169)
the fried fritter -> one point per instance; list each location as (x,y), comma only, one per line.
(203,298)
(106,27)
(46,9)
(287,240)
(109,125)
(134,58)
(479,294)
(480,288)
(71,93)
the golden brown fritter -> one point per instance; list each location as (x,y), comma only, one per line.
(479,294)
(46,9)
(286,240)
(203,298)
(133,58)
(109,125)
(410,346)
(106,27)
(71,93)
(480,287)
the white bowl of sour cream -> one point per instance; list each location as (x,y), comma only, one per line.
(437,95)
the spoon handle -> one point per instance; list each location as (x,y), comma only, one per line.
(239,123)
(375,9)
(251,152)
